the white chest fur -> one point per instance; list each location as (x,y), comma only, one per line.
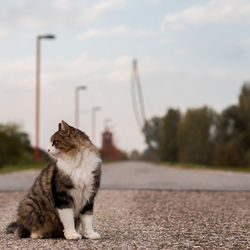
(80,170)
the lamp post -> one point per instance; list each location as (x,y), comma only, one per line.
(94,109)
(106,122)
(77,89)
(38,39)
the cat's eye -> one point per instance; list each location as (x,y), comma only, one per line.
(54,143)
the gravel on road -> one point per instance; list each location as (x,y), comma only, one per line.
(144,219)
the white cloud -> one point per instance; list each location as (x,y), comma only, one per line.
(60,13)
(3,31)
(226,11)
(245,42)
(165,40)
(183,51)
(106,32)
(116,31)
(102,7)
(120,73)
(145,32)
(155,2)
(15,74)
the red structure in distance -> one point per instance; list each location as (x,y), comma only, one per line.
(109,151)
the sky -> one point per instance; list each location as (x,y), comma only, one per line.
(189,53)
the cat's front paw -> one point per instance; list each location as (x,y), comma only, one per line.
(36,235)
(92,235)
(72,235)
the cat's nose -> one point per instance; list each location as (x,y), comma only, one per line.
(48,150)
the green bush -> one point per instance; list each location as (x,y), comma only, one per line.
(15,146)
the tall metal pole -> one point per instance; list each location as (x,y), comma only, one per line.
(94,122)
(37,97)
(106,122)
(76,108)
(77,89)
(134,94)
(93,125)
(37,116)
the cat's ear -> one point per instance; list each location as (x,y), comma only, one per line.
(65,127)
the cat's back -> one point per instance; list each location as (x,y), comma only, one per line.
(39,196)
(51,180)
(37,210)
(43,183)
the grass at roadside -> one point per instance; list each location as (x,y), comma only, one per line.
(13,168)
(205,167)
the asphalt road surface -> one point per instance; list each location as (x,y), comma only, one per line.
(150,219)
(143,175)
(144,206)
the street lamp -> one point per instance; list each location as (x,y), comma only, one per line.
(38,39)
(94,109)
(77,89)
(106,122)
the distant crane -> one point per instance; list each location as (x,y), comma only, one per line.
(137,98)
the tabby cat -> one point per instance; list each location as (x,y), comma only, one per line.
(60,202)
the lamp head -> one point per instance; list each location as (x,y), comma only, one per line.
(97,108)
(46,36)
(82,87)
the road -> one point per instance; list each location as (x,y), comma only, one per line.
(150,219)
(143,175)
(145,206)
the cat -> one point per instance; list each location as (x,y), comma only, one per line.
(60,202)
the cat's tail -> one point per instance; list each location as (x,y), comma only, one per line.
(19,231)
(11,228)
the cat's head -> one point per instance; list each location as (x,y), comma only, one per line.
(68,141)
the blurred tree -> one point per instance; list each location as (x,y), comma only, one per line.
(233,138)
(134,155)
(168,133)
(122,155)
(228,138)
(244,112)
(202,136)
(151,131)
(229,124)
(196,136)
(15,146)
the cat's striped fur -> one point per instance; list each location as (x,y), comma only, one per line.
(60,202)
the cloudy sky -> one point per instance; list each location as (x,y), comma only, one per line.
(190,53)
